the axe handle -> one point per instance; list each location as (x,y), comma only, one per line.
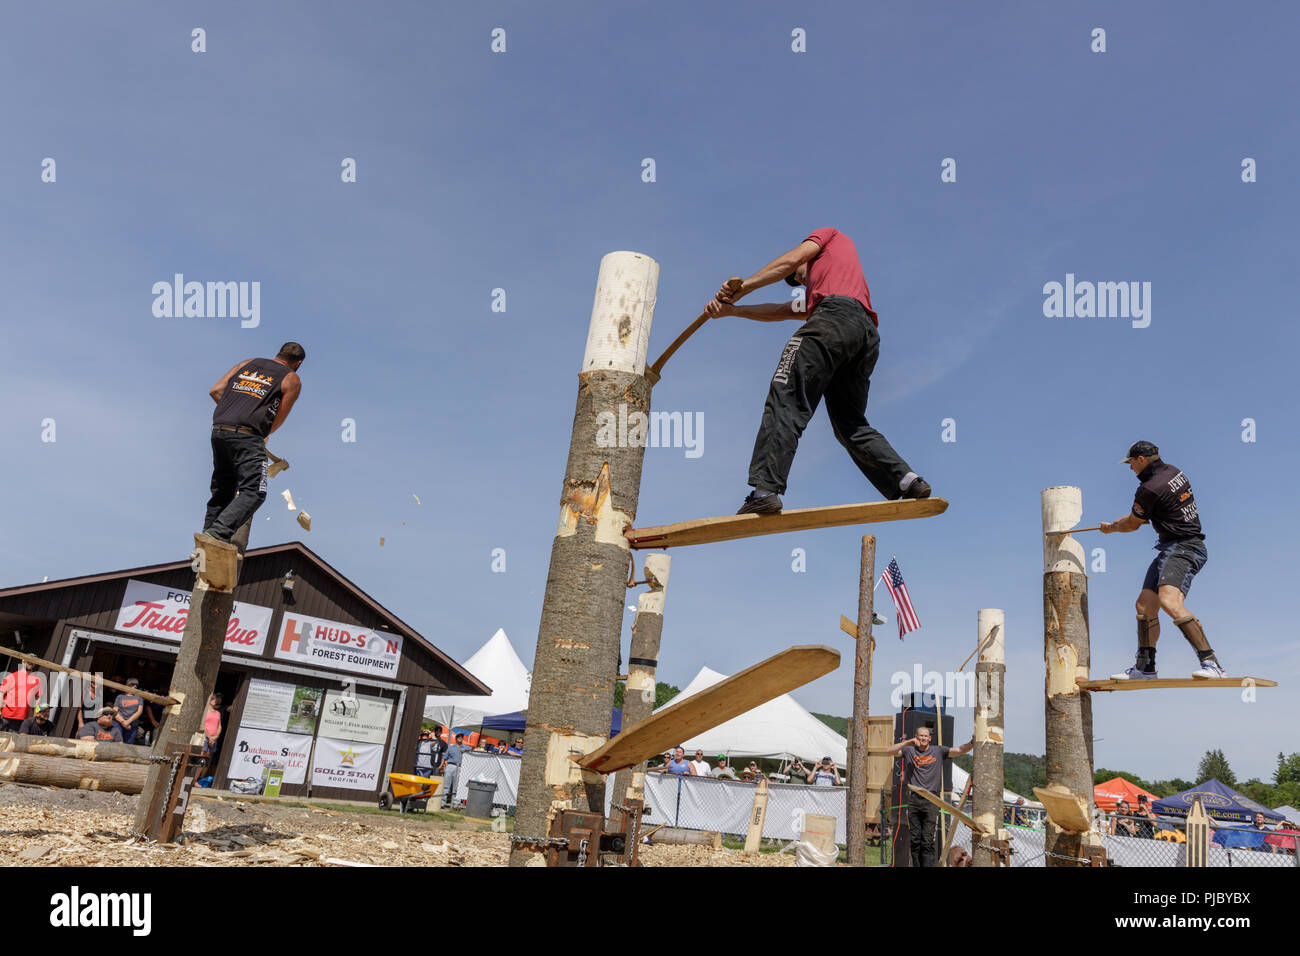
(657,368)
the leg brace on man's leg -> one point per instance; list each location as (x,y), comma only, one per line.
(1148,630)
(1192,630)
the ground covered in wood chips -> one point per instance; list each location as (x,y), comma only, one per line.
(50,827)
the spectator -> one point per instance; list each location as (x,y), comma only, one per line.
(700,765)
(1123,823)
(1261,821)
(751,773)
(37,724)
(923,766)
(825,774)
(451,764)
(1146,819)
(439,751)
(153,715)
(19,693)
(679,764)
(103,730)
(722,769)
(92,703)
(212,731)
(129,706)
(517,748)
(424,754)
(798,771)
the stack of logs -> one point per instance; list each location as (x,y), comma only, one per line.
(73,764)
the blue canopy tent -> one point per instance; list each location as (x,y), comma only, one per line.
(514,722)
(1222,803)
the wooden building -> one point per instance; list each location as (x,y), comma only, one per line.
(317,677)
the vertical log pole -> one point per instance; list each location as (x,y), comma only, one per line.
(193,680)
(857,807)
(642,663)
(987,774)
(578,639)
(1068,711)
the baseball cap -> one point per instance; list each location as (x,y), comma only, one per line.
(1140,449)
(793,279)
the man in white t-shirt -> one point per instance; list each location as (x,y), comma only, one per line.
(700,765)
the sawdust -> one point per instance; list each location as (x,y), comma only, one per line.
(50,827)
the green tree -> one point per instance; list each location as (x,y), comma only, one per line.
(1262,793)
(1215,765)
(663,693)
(1101,776)
(1288,769)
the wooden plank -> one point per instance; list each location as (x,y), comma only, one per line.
(715,705)
(731,527)
(1169,683)
(1067,810)
(947,808)
(50,665)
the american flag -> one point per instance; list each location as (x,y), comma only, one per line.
(903,610)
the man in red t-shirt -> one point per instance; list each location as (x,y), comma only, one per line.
(20,691)
(832,355)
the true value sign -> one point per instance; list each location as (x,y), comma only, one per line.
(154,611)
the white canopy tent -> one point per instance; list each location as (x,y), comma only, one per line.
(1290,812)
(779,729)
(497,665)
(960,776)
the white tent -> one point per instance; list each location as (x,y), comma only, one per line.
(1290,812)
(779,728)
(497,665)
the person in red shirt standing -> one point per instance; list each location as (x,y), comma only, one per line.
(19,693)
(832,355)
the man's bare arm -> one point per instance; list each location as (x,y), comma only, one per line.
(290,389)
(963,749)
(898,747)
(1130,522)
(768,312)
(779,268)
(218,390)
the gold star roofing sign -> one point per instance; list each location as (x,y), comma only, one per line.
(347,758)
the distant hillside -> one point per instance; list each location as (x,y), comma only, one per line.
(838,724)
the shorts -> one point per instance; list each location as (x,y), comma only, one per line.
(1176,564)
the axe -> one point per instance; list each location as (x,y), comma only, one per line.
(653,372)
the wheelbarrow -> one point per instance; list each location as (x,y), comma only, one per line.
(409,792)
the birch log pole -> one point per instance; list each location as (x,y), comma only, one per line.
(858,750)
(578,640)
(642,664)
(987,774)
(1068,711)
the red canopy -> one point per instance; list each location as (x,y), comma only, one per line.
(1108,795)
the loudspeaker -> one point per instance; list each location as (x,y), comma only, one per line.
(918,711)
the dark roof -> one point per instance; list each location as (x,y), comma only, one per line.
(294,546)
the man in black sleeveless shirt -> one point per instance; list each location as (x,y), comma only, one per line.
(253,400)
(1164,498)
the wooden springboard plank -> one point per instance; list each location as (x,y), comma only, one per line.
(731,527)
(715,705)
(946,808)
(1169,683)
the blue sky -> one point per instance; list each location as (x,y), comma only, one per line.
(520,170)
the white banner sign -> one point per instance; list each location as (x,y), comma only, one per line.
(355,717)
(346,763)
(271,705)
(255,750)
(345,647)
(151,610)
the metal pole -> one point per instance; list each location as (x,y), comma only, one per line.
(572,696)
(862,660)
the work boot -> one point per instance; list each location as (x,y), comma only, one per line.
(760,501)
(214,535)
(919,488)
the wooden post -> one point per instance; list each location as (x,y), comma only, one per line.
(1198,835)
(193,680)
(858,749)
(1068,711)
(578,639)
(642,662)
(754,836)
(987,775)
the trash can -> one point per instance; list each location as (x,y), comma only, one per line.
(479,802)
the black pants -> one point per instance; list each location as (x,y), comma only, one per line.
(832,355)
(921,820)
(238,465)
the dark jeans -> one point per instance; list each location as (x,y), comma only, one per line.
(921,820)
(238,465)
(832,355)
(129,733)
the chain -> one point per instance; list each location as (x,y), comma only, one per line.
(539,841)
(1071,859)
(167,794)
(582,853)
(619,806)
